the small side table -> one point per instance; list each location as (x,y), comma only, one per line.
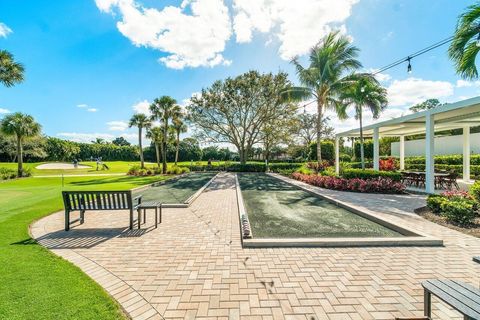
(157,206)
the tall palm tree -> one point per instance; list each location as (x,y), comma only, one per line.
(11,72)
(324,79)
(162,110)
(140,121)
(364,92)
(20,126)
(180,127)
(466,42)
(156,135)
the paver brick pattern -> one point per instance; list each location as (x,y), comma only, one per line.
(194,267)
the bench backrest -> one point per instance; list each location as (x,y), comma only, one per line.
(97,200)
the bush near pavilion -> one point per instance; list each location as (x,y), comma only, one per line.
(459,207)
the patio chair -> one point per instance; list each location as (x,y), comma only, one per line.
(450,181)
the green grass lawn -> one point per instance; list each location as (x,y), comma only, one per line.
(115,167)
(277,209)
(34,283)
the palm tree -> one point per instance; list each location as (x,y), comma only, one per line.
(466,42)
(162,109)
(140,121)
(156,135)
(324,79)
(364,92)
(20,126)
(11,72)
(179,126)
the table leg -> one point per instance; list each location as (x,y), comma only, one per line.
(427,303)
(139,218)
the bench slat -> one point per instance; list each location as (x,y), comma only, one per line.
(453,293)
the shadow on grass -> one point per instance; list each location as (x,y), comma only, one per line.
(98,181)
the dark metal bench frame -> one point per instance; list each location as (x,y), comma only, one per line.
(462,297)
(98,201)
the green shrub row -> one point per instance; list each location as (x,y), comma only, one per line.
(138,171)
(370,174)
(454,159)
(248,167)
(7,173)
(459,209)
(474,169)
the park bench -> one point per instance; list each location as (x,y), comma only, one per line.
(460,296)
(99,201)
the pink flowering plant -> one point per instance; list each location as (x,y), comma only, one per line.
(376,185)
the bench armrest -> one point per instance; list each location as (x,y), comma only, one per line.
(137,199)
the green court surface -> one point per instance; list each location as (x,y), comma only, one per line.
(176,190)
(277,209)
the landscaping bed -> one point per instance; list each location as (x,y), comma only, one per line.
(473,229)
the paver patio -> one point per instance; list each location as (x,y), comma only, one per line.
(193,266)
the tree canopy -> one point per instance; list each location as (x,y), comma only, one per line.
(236,110)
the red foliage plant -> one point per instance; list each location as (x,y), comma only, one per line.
(378,185)
(389,164)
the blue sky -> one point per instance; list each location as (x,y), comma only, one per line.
(89,63)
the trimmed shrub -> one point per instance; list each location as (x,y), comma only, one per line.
(378,185)
(6,174)
(475,191)
(328,151)
(460,211)
(367,148)
(277,167)
(370,174)
(345,157)
(434,203)
(177,170)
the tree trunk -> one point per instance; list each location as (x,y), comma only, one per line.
(164,148)
(20,157)
(319,130)
(142,163)
(362,152)
(241,153)
(177,147)
(157,152)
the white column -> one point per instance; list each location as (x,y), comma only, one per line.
(429,154)
(376,149)
(402,152)
(466,153)
(337,154)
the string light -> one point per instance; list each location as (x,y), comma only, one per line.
(409,67)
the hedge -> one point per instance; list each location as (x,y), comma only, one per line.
(328,151)
(474,169)
(454,159)
(370,174)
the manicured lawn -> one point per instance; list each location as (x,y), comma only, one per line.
(277,209)
(34,283)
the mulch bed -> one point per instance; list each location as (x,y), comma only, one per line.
(472,229)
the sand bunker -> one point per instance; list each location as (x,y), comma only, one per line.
(62,166)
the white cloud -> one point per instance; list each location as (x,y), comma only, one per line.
(3,111)
(82,105)
(4,30)
(117,125)
(193,34)
(92,109)
(465,84)
(142,107)
(413,90)
(298,25)
(88,137)
(87,107)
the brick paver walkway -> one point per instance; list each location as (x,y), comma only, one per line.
(193,265)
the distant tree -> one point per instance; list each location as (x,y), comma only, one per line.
(156,135)
(210,153)
(425,105)
(189,150)
(235,110)
(99,141)
(365,93)
(306,130)
(22,127)
(179,127)
(331,62)
(61,150)
(120,141)
(11,72)
(465,44)
(141,121)
(163,109)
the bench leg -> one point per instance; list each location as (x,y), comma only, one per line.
(427,304)
(160,220)
(131,219)
(67,220)
(156,217)
(144,215)
(139,218)
(82,216)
